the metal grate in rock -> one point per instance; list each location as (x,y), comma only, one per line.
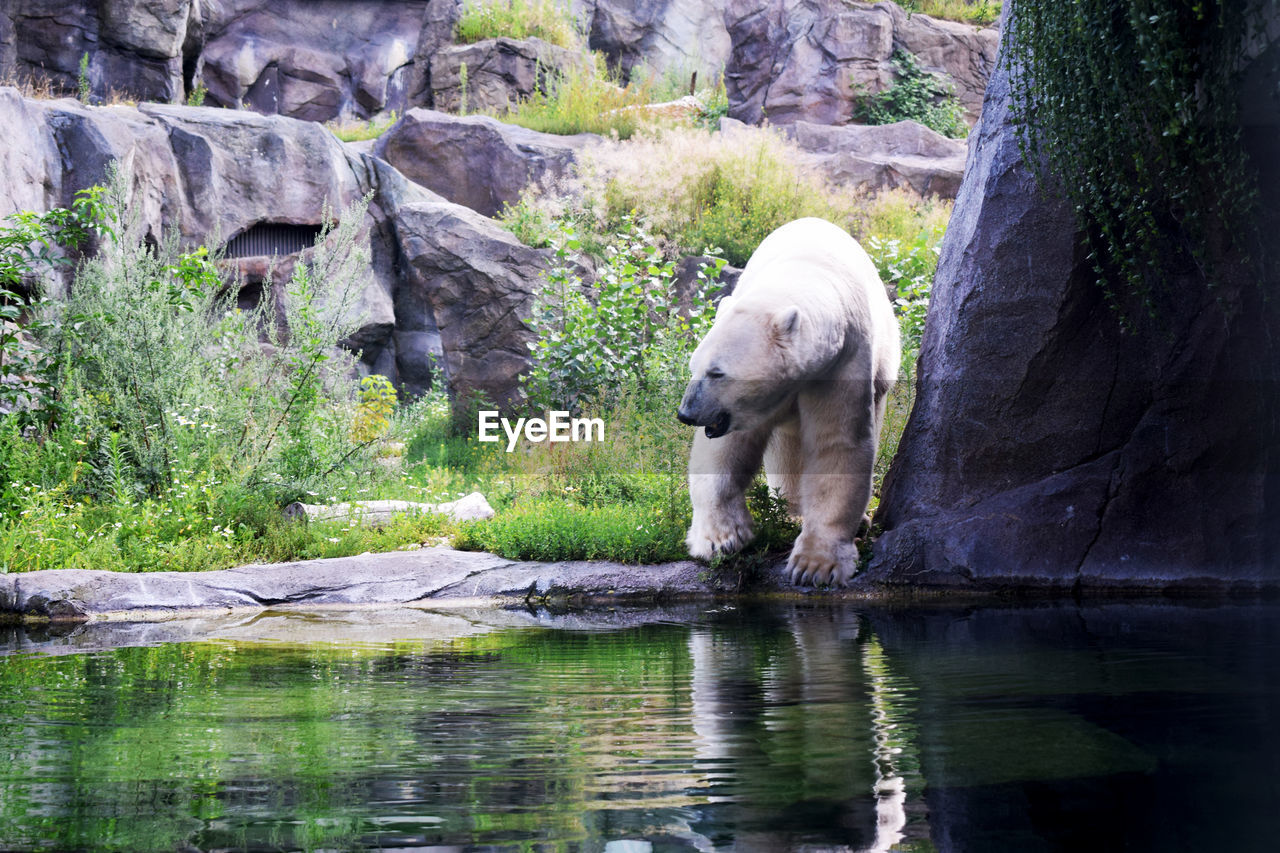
(272,238)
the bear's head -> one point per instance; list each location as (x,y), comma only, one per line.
(749,366)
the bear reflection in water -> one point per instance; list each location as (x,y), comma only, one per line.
(794,373)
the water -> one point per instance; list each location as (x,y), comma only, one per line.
(1026,728)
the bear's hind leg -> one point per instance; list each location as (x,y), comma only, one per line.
(720,469)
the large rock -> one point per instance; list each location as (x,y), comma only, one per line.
(903,154)
(320,59)
(1047,445)
(135,49)
(810,62)
(477,161)
(500,72)
(468,284)
(664,35)
(215,177)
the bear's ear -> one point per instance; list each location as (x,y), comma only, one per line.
(786,321)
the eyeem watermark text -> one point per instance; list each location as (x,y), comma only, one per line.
(556,426)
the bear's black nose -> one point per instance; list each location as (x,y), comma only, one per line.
(685,418)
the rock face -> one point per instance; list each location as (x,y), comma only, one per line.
(964,53)
(903,154)
(132,46)
(807,62)
(323,59)
(476,161)
(320,59)
(445,287)
(499,72)
(1047,446)
(471,284)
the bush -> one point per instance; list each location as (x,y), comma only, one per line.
(548,20)
(916,95)
(627,334)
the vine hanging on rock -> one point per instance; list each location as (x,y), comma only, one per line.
(1132,107)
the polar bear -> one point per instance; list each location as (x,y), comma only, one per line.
(794,372)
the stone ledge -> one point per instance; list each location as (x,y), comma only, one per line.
(398,578)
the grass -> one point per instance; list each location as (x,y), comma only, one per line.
(359,131)
(583,99)
(981,13)
(548,20)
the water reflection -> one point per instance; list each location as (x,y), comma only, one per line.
(748,728)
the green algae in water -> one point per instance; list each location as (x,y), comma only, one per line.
(1034,728)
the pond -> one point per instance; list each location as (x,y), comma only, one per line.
(750,727)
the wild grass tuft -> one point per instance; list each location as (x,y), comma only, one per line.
(548,20)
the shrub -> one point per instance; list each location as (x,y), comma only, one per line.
(628,332)
(152,350)
(548,20)
(916,95)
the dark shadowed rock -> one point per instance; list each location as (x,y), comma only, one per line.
(1049,447)
(499,72)
(134,48)
(903,154)
(476,161)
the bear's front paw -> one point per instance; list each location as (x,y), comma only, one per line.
(821,562)
(718,534)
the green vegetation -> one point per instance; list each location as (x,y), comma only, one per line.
(548,20)
(83,91)
(358,131)
(1132,110)
(197,95)
(583,99)
(916,95)
(980,13)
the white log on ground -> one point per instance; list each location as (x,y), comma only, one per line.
(473,507)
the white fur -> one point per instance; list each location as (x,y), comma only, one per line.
(810,347)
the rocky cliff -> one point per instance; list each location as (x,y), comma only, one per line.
(1051,446)
(324,59)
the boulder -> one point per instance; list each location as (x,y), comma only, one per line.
(134,48)
(1050,446)
(469,284)
(321,59)
(810,63)
(903,154)
(500,72)
(213,176)
(678,35)
(476,161)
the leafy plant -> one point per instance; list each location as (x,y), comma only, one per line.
(83,89)
(377,405)
(917,95)
(197,95)
(583,99)
(625,330)
(32,244)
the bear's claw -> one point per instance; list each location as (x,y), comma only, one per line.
(812,565)
(706,540)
